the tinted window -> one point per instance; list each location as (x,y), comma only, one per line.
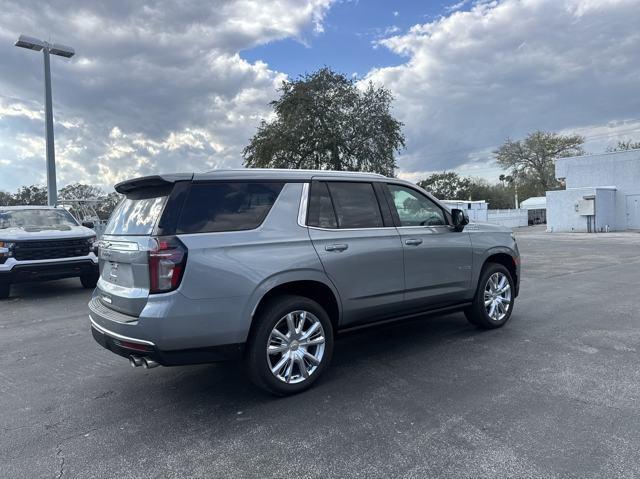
(415,209)
(355,204)
(321,212)
(211,207)
(45,218)
(135,216)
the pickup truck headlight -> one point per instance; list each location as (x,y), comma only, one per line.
(93,245)
(6,251)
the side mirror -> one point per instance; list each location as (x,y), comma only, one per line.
(88,224)
(460,219)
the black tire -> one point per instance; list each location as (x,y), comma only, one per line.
(89,280)
(477,313)
(257,359)
(5,289)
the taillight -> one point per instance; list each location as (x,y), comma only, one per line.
(167,259)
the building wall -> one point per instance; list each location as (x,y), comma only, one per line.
(477,210)
(606,209)
(563,217)
(561,212)
(618,169)
(509,218)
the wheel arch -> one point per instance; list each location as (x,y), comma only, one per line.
(312,286)
(507,259)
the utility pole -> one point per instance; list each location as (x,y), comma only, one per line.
(52,188)
(31,43)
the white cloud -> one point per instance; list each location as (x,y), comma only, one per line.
(456,6)
(502,69)
(155,86)
(12,108)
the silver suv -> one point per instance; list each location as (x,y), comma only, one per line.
(270,265)
(44,242)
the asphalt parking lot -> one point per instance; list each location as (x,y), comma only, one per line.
(555,393)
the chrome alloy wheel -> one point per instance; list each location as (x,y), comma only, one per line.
(497,296)
(296,347)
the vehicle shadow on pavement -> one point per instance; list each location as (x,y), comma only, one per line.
(216,402)
(224,384)
(47,289)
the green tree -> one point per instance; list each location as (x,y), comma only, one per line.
(30,195)
(324,121)
(498,196)
(108,204)
(80,191)
(447,185)
(6,199)
(625,145)
(532,159)
(450,185)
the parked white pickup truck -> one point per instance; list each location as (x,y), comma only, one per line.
(42,243)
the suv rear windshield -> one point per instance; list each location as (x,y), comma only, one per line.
(43,218)
(135,216)
(228,206)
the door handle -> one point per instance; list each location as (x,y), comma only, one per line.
(413,242)
(336,247)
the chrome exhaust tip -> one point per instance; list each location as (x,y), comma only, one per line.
(149,363)
(135,361)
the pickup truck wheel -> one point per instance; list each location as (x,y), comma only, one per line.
(493,303)
(89,280)
(5,289)
(290,346)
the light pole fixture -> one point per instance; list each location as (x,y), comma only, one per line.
(31,43)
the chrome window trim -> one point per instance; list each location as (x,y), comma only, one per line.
(302,210)
(121,337)
(352,229)
(423,227)
(302,215)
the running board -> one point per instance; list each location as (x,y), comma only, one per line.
(408,317)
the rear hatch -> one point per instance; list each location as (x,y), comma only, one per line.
(128,239)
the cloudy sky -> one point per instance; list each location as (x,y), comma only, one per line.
(172,86)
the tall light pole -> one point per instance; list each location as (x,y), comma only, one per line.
(31,43)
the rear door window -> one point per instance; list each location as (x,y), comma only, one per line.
(355,204)
(321,212)
(227,206)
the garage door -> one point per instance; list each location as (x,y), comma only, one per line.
(633,212)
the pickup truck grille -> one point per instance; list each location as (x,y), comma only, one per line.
(50,249)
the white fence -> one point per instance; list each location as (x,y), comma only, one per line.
(508,218)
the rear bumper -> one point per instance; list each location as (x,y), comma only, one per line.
(45,270)
(125,346)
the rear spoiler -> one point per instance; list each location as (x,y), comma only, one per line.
(154,181)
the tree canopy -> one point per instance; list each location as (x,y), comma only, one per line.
(625,145)
(30,195)
(447,185)
(532,158)
(37,195)
(324,121)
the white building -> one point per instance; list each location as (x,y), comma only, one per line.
(602,193)
(536,207)
(477,210)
